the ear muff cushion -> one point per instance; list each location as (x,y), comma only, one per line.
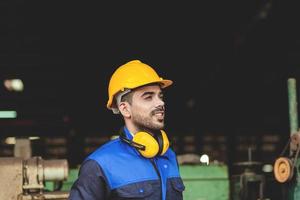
(166,142)
(149,142)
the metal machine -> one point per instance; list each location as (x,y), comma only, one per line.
(208,181)
(249,184)
(23,177)
(286,167)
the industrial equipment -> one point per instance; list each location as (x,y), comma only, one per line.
(208,181)
(286,167)
(249,182)
(205,182)
(23,179)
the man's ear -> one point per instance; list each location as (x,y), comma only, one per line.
(124,109)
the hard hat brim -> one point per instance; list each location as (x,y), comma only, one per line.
(164,83)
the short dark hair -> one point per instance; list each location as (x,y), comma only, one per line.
(127,97)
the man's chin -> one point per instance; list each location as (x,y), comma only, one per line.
(160,126)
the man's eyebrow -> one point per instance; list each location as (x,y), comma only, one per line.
(147,93)
(151,93)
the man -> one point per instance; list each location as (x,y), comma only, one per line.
(139,164)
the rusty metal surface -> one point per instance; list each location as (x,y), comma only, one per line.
(11,178)
(31,197)
(33,173)
(295,141)
(59,195)
(24,179)
(283,169)
(37,170)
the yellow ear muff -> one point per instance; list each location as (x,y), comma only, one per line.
(166,142)
(151,145)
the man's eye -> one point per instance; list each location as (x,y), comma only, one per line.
(148,97)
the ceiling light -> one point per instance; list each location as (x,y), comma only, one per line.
(8,114)
(14,85)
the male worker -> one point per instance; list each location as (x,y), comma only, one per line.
(138,164)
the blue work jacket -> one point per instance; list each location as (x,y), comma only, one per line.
(117,171)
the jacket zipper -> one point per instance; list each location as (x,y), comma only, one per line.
(155,167)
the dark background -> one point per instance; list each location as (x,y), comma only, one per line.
(229,60)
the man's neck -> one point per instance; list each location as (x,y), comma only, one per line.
(132,130)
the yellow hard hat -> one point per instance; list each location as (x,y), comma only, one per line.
(131,75)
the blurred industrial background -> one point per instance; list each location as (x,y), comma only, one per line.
(230,62)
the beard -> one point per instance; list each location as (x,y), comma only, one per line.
(147,122)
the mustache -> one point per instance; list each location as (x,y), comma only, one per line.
(158,110)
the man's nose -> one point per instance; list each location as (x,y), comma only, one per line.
(160,102)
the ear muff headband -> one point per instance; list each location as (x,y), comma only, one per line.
(166,142)
(134,144)
(160,142)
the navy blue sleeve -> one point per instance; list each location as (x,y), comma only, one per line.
(90,184)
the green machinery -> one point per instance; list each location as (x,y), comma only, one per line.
(205,182)
(286,168)
(65,185)
(249,182)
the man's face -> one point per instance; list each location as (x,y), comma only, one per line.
(148,108)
